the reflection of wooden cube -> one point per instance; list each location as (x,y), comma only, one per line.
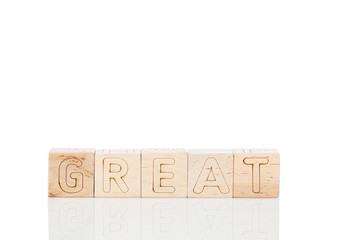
(256,173)
(164,173)
(71,172)
(163,219)
(116,219)
(210,173)
(71,218)
(117,173)
(212,219)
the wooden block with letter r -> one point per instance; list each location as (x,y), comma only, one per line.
(256,173)
(71,172)
(164,173)
(117,173)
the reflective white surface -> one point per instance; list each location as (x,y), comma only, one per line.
(164,218)
(193,74)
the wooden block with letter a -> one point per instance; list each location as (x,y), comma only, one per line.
(164,173)
(71,172)
(117,173)
(256,173)
(210,173)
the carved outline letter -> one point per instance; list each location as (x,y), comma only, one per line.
(256,162)
(159,174)
(209,178)
(116,176)
(65,175)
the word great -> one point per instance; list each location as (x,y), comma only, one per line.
(164,173)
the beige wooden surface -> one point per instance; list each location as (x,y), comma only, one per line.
(164,173)
(71,172)
(117,173)
(210,173)
(256,173)
(239,173)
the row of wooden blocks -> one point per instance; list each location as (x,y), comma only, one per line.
(164,173)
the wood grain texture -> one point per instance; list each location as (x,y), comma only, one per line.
(117,173)
(164,173)
(240,173)
(71,172)
(210,173)
(256,173)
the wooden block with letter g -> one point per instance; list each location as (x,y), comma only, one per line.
(210,173)
(256,173)
(117,173)
(164,173)
(71,172)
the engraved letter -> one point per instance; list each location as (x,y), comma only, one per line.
(256,162)
(115,169)
(162,175)
(70,181)
(211,176)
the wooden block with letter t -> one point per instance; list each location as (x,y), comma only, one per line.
(210,173)
(71,172)
(117,173)
(256,173)
(164,173)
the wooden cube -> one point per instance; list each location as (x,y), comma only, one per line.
(210,173)
(71,172)
(256,173)
(117,173)
(164,172)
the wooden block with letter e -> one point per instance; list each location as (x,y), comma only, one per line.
(71,172)
(164,173)
(117,173)
(210,173)
(256,173)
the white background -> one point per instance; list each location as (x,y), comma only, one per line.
(193,74)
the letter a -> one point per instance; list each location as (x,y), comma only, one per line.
(211,176)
